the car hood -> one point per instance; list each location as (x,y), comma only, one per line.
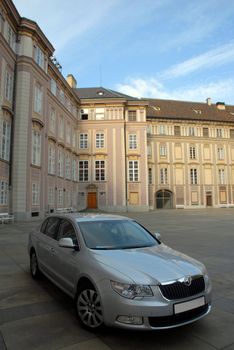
(151,265)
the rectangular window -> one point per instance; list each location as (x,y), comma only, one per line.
(68,133)
(150,177)
(221,176)
(61,96)
(8,85)
(100,170)
(163,150)
(132,139)
(219,133)
(205,132)
(149,151)
(36,148)
(83,141)
(11,37)
(177,130)
(51,159)
(74,170)
(191,131)
(35,194)
(52,120)
(131,116)
(3,192)
(61,128)
(74,139)
(51,196)
(232,133)
(38,99)
(220,152)
(53,86)
(163,176)
(100,113)
(68,166)
(39,57)
(100,140)
(60,197)
(193,176)
(5,137)
(133,170)
(192,152)
(162,130)
(60,162)
(83,170)
(84,114)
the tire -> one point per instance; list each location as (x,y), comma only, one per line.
(34,269)
(88,308)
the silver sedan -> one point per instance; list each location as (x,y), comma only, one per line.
(119,273)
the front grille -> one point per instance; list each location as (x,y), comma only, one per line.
(176,319)
(179,290)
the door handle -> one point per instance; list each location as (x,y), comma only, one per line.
(52,250)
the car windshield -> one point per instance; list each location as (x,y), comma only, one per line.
(115,234)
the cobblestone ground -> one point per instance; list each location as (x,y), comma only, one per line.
(36,315)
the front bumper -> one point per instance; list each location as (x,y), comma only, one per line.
(155,312)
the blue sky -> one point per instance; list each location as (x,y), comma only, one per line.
(172,49)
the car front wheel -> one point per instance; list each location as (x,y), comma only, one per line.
(35,272)
(89,311)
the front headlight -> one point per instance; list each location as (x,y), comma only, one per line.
(132,291)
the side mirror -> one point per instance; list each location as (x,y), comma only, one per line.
(157,235)
(67,243)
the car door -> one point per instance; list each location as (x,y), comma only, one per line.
(47,244)
(65,262)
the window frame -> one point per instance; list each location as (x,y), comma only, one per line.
(133,170)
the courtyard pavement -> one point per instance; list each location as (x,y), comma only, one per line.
(37,315)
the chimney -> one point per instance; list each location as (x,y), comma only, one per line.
(208,101)
(220,105)
(71,81)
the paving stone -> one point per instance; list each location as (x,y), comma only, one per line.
(46,332)
(217,329)
(10,298)
(93,344)
(176,339)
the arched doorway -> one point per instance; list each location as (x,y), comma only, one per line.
(164,199)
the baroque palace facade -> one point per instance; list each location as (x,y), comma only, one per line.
(63,146)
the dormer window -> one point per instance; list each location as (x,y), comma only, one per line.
(197,111)
(156,108)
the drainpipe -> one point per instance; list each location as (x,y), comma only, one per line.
(126,163)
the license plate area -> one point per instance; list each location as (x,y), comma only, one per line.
(189,305)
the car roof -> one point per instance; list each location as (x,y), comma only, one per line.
(81,217)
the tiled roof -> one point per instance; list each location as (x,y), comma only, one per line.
(101,93)
(196,111)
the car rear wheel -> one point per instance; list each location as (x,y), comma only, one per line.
(35,272)
(89,310)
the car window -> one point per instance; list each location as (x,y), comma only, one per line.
(66,230)
(115,234)
(43,226)
(51,228)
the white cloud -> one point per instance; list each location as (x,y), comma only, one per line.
(210,59)
(152,88)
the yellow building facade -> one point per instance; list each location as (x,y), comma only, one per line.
(62,146)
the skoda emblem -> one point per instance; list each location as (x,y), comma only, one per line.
(188,280)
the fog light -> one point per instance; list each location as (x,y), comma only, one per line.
(130,319)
